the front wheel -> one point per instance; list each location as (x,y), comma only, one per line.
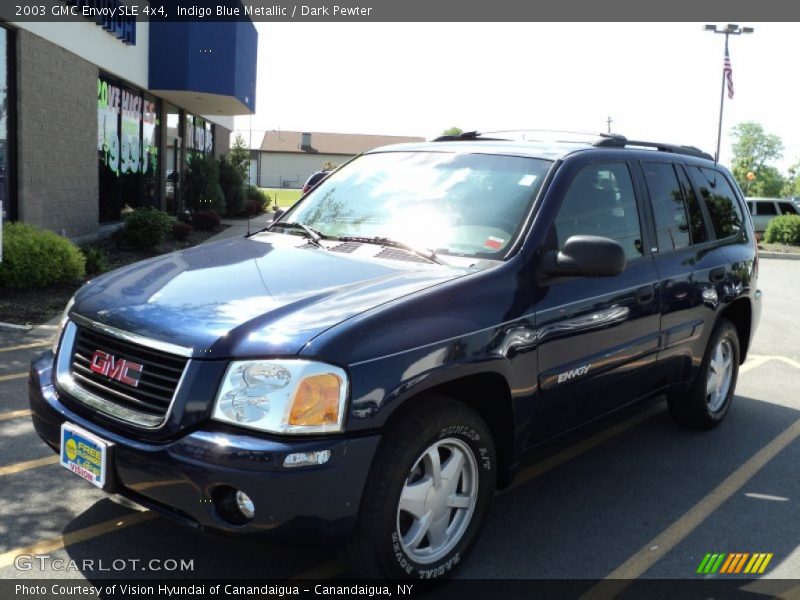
(427,494)
(711,394)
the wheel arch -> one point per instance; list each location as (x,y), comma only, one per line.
(489,395)
(740,313)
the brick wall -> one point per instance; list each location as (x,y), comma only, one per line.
(57,137)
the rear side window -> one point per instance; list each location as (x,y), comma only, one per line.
(600,201)
(720,200)
(750,207)
(697,223)
(766,209)
(669,211)
(787,208)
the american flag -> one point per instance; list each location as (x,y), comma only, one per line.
(727,70)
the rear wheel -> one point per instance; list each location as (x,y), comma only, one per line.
(427,494)
(710,396)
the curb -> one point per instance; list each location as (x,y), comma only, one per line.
(12,327)
(43,330)
(780,255)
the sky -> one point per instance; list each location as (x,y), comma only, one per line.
(657,81)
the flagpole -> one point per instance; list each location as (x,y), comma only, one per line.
(728,31)
(721,103)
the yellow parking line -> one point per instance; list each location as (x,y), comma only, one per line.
(27,465)
(14,414)
(753,362)
(788,361)
(75,537)
(655,549)
(762,358)
(13,376)
(26,346)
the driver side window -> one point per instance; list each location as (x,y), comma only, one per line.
(600,201)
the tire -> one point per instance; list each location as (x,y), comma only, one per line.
(710,395)
(439,522)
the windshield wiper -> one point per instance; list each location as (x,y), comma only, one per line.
(312,235)
(384,241)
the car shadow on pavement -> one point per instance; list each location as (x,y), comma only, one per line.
(588,516)
(147,550)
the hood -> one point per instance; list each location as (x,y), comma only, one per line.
(265,295)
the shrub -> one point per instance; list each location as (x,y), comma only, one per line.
(146,228)
(181,231)
(232,183)
(96,260)
(253,208)
(201,188)
(258,196)
(783,230)
(206,220)
(36,258)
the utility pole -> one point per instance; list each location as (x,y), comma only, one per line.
(609,121)
(729,30)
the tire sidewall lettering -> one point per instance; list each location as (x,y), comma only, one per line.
(437,570)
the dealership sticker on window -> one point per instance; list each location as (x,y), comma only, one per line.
(494,243)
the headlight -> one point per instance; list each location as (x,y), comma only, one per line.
(283,396)
(62,323)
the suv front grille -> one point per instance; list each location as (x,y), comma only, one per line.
(158,380)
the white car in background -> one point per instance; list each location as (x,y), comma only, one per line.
(764,210)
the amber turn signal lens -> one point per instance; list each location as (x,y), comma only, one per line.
(316,401)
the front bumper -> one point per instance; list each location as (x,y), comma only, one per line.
(183,478)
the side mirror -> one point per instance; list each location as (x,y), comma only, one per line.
(585,256)
(278,214)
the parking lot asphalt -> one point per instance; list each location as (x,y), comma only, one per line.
(632,496)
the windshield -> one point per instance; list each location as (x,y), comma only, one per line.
(451,203)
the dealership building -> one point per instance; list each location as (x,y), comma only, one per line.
(100,116)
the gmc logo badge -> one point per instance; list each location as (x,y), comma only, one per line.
(115,368)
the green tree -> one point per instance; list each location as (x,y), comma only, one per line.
(231,181)
(239,156)
(753,150)
(453,131)
(769,183)
(201,188)
(791,184)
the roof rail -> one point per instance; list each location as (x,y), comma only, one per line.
(614,140)
(467,136)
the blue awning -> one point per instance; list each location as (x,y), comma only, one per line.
(205,67)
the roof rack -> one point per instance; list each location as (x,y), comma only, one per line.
(466,136)
(602,140)
(614,140)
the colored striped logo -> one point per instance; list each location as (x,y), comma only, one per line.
(735,562)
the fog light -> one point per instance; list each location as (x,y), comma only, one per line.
(245,505)
(306,459)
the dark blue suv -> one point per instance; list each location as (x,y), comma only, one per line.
(379,360)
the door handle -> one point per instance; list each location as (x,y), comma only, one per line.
(717,274)
(645,295)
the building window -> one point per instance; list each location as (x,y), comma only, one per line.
(128,132)
(7,149)
(172,170)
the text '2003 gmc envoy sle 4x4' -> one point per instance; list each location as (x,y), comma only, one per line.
(375,363)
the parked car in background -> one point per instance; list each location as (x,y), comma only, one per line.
(764,209)
(316,178)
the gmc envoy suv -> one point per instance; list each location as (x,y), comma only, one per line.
(376,363)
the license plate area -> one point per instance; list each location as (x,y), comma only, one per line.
(85,454)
